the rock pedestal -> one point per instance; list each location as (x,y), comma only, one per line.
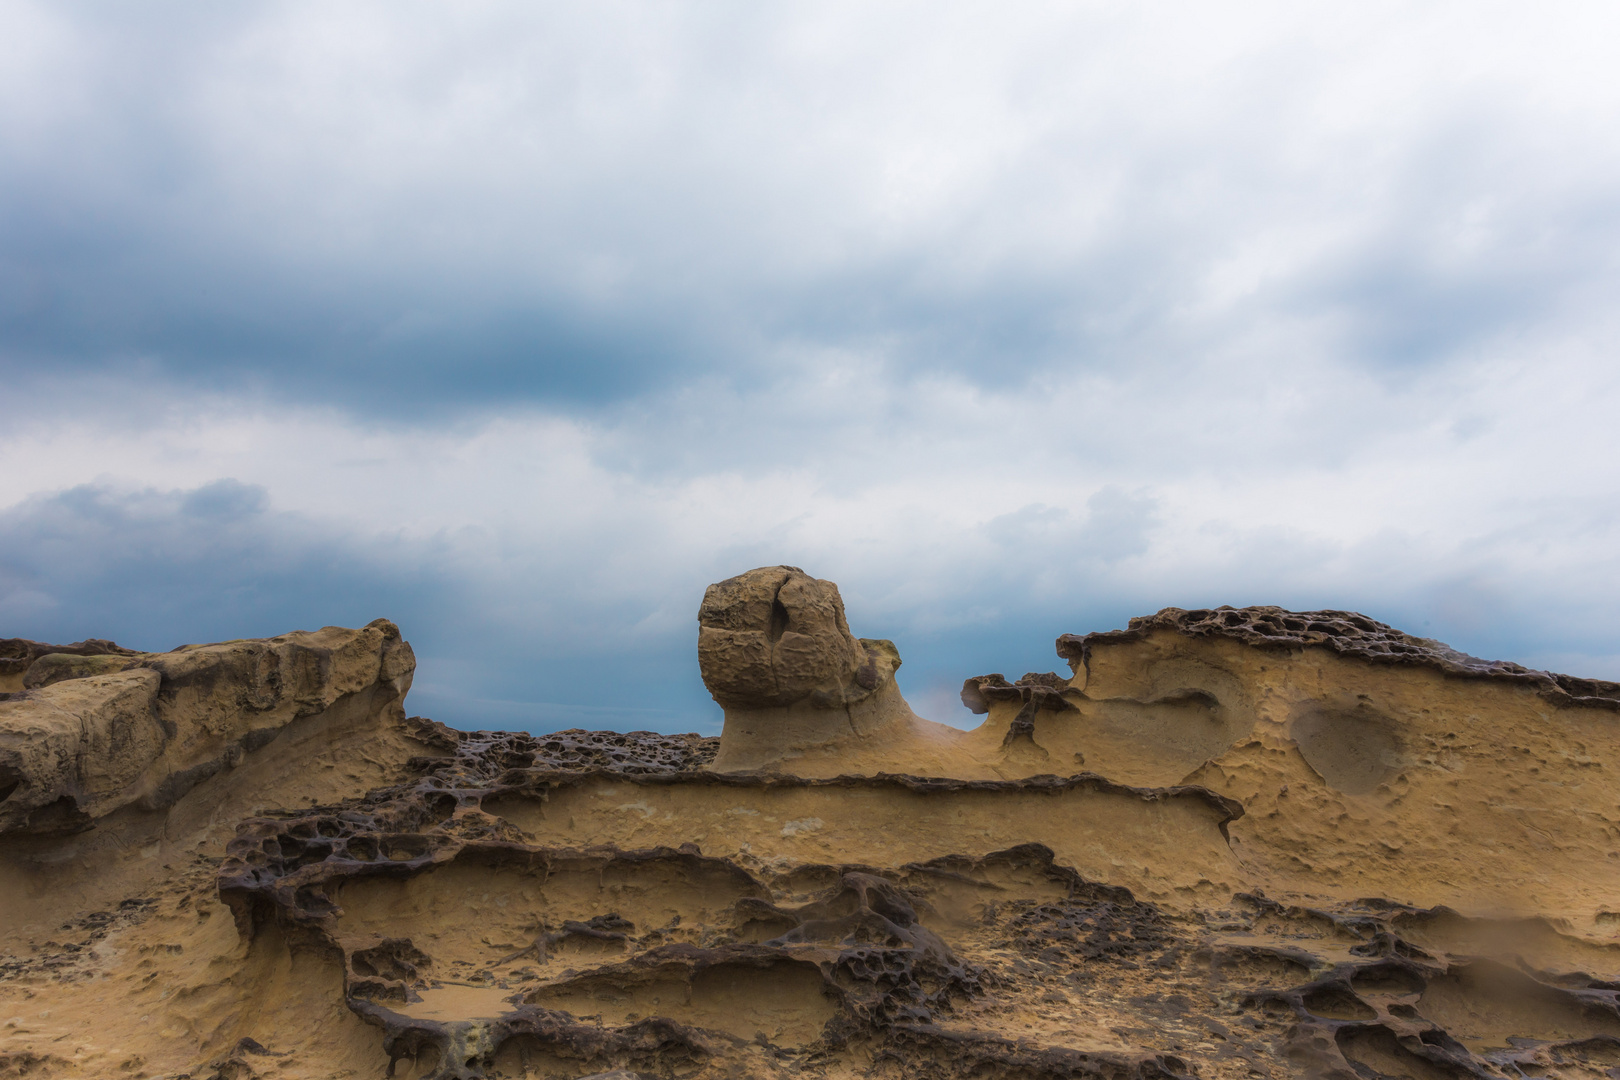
(776,652)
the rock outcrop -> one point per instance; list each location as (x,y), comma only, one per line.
(92,733)
(775,637)
(118,767)
(1346,634)
(776,653)
(21,667)
(1232,843)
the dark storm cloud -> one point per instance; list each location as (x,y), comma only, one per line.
(408,213)
(519,325)
(156,569)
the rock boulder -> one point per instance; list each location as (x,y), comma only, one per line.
(776,636)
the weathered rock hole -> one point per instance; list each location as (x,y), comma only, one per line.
(10,781)
(1387,979)
(441,806)
(425,1062)
(1338,1003)
(63,815)
(404,847)
(363,848)
(1353,750)
(779,620)
(395,958)
(1376,1052)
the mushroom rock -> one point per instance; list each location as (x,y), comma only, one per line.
(777,654)
(776,636)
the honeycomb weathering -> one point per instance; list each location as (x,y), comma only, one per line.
(1345,633)
(1231,843)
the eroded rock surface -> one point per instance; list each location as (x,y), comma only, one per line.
(1347,634)
(776,653)
(776,636)
(92,733)
(111,781)
(25,664)
(1230,843)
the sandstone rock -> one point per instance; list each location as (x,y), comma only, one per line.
(1315,719)
(82,742)
(1033,692)
(1347,634)
(57,667)
(1232,844)
(77,750)
(776,636)
(776,652)
(93,656)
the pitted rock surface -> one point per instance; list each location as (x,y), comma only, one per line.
(1233,846)
(27,664)
(628,752)
(1346,633)
(912,968)
(841,958)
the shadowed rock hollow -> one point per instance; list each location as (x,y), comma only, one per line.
(1225,843)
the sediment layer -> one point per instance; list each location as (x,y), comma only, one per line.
(1231,843)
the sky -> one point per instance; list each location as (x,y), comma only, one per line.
(521,324)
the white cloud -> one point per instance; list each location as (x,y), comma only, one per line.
(1012,323)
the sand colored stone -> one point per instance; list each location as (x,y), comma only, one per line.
(1224,843)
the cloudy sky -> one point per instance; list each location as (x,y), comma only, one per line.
(520,324)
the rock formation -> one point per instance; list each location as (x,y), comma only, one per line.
(776,652)
(110,774)
(800,692)
(20,668)
(1228,843)
(94,732)
(775,637)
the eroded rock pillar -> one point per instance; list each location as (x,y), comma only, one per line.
(776,652)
